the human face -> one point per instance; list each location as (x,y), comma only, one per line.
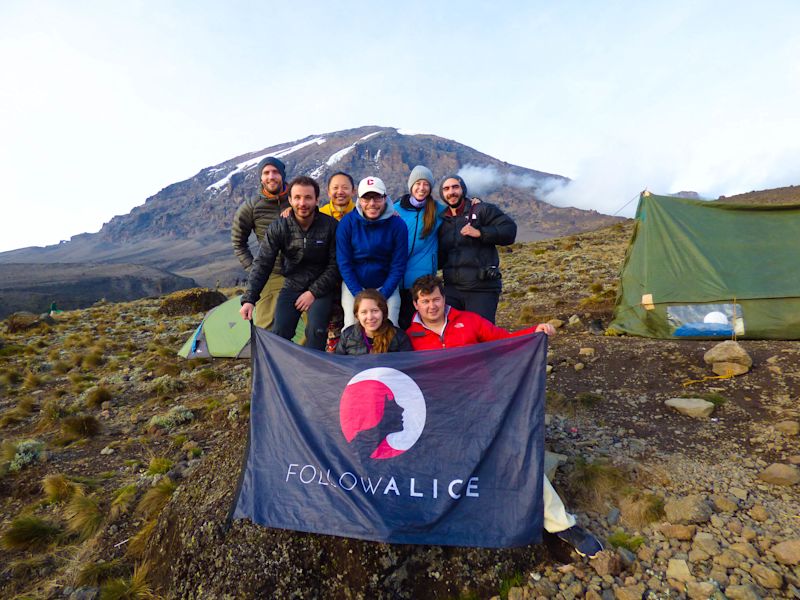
(452,191)
(421,189)
(430,307)
(340,191)
(303,201)
(372,205)
(369,315)
(271,179)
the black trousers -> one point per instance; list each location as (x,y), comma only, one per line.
(287,316)
(483,303)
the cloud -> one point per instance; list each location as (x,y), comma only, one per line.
(482,180)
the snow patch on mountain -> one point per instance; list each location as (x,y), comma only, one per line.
(337,156)
(373,134)
(411,132)
(252,162)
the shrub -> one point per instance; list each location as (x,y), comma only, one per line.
(83,515)
(166,385)
(30,533)
(24,453)
(177,415)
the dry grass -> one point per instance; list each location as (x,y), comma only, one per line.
(638,509)
(78,427)
(123,498)
(593,483)
(159,465)
(30,533)
(83,515)
(32,381)
(96,573)
(19,413)
(133,588)
(58,488)
(95,396)
(156,497)
(138,543)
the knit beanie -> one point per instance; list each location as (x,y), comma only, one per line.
(271,160)
(417,173)
(461,181)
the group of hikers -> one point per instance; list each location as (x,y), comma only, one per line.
(365,269)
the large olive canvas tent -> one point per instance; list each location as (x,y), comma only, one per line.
(711,269)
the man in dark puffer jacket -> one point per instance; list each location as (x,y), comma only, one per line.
(306,242)
(468,240)
(255,215)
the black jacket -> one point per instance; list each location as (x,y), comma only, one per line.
(464,259)
(308,257)
(255,214)
(352,341)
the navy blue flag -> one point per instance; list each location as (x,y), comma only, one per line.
(440,447)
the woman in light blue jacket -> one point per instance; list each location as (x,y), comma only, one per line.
(420,212)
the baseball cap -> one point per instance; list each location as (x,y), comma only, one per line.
(371,184)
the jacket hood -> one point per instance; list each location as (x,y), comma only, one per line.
(464,194)
(388,211)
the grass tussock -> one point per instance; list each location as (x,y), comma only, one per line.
(9,377)
(638,509)
(96,574)
(32,381)
(592,483)
(620,539)
(121,503)
(134,587)
(58,488)
(95,396)
(91,360)
(83,514)
(61,367)
(156,497)
(53,410)
(19,413)
(159,465)
(138,543)
(30,533)
(78,427)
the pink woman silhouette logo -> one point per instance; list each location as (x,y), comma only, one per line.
(382,410)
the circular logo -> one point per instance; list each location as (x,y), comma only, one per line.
(383,410)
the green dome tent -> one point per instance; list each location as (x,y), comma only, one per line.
(698,269)
(222,333)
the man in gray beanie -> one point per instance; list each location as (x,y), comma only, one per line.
(468,240)
(255,215)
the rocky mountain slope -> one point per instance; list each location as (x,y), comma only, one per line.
(185,228)
(120,461)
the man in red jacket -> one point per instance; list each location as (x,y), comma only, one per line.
(436,326)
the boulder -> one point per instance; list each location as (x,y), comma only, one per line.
(679,570)
(788,552)
(21,321)
(788,427)
(691,407)
(766,577)
(728,352)
(728,369)
(689,509)
(191,301)
(780,474)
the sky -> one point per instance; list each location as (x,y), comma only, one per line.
(103,104)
